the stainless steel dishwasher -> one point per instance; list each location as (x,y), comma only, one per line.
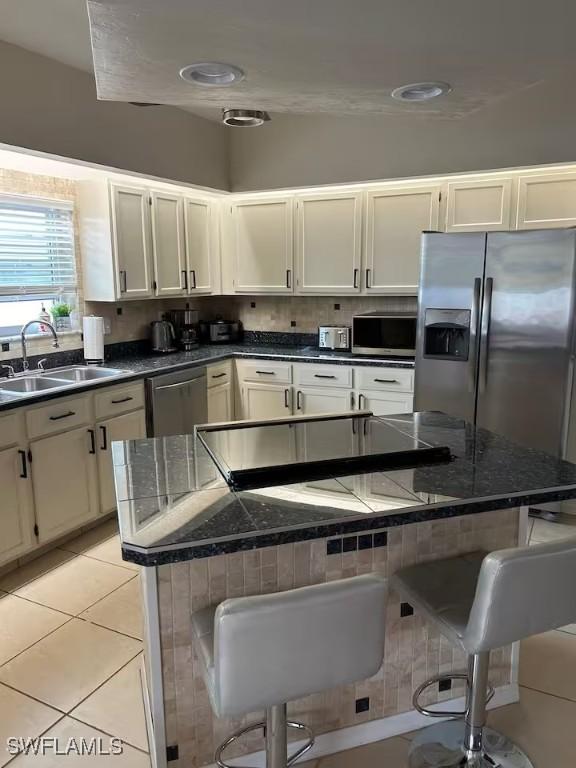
(176,402)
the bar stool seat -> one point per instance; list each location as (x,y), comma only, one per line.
(260,652)
(481,602)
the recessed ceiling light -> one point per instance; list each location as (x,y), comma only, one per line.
(421,91)
(212,74)
(244,118)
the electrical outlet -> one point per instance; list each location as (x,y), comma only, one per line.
(362,705)
(107,326)
(5,346)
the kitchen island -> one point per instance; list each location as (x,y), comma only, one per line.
(258,508)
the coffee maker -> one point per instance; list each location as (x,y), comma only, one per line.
(185,323)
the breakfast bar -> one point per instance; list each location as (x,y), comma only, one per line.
(245,508)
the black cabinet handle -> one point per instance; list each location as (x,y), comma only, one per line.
(266,373)
(288,278)
(368,279)
(123,281)
(323,376)
(122,400)
(356,277)
(299,400)
(184,280)
(218,375)
(193,276)
(361,397)
(63,416)
(92,441)
(286,398)
(387,381)
(104,446)
(24,471)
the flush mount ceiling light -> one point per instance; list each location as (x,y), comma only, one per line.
(244,118)
(213,74)
(421,91)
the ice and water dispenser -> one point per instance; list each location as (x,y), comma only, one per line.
(447,334)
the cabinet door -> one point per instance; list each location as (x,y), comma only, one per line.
(131,236)
(547,201)
(264,445)
(17,517)
(220,403)
(483,205)
(385,403)
(64,478)
(395,220)
(265,401)
(262,233)
(328,243)
(332,438)
(198,231)
(170,272)
(130,426)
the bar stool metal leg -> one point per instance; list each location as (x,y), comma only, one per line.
(467,743)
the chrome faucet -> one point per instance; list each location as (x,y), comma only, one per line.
(23,339)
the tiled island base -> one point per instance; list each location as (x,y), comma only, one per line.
(414,650)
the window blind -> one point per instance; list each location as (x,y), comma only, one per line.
(36,246)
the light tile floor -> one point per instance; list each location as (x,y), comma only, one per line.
(71,648)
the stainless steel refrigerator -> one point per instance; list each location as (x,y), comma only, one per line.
(496,333)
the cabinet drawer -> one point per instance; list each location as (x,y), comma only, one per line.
(389,379)
(59,416)
(323,376)
(219,374)
(10,430)
(265,371)
(122,399)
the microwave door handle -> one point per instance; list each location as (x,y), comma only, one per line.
(485,333)
(474,320)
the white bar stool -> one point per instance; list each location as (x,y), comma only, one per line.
(481,602)
(260,652)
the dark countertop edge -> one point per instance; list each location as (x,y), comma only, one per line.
(244,542)
(41,397)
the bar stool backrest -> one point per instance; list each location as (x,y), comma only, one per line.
(522,592)
(270,649)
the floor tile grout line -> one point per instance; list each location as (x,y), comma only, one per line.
(29,648)
(547,693)
(100,599)
(112,735)
(40,575)
(110,629)
(118,565)
(34,698)
(42,733)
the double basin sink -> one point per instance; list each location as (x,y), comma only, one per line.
(55,379)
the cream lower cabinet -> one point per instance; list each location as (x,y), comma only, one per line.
(17,512)
(261,402)
(385,403)
(220,403)
(65,481)
(129,426)
(333,437)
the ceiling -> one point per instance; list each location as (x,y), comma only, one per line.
(332,57)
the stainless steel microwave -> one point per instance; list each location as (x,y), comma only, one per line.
(383,333)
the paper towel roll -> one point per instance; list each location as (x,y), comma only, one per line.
(93,331)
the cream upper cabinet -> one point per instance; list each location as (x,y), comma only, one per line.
(262,243)
(171,277)
(546,201)
(395,220)
(129,426)
(65,481)
(131,238)
(199,236)
(482,205)
(328,243)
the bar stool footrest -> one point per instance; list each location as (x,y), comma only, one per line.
(262,725)
(434,681)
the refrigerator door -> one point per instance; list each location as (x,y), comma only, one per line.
(525,368)
(451,277)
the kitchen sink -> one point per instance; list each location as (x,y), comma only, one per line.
(79,373)
(30,384)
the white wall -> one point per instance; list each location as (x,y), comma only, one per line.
(533,127)
(47,106)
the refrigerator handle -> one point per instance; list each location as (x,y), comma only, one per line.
(474,320)
(485,333)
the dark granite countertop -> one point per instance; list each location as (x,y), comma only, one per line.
(143,365)
(173,503)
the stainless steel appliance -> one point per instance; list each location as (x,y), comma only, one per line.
(176,402)
(384,333)
(220,331)
(186,327)
(334,337)
(163,337)
(496,332)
